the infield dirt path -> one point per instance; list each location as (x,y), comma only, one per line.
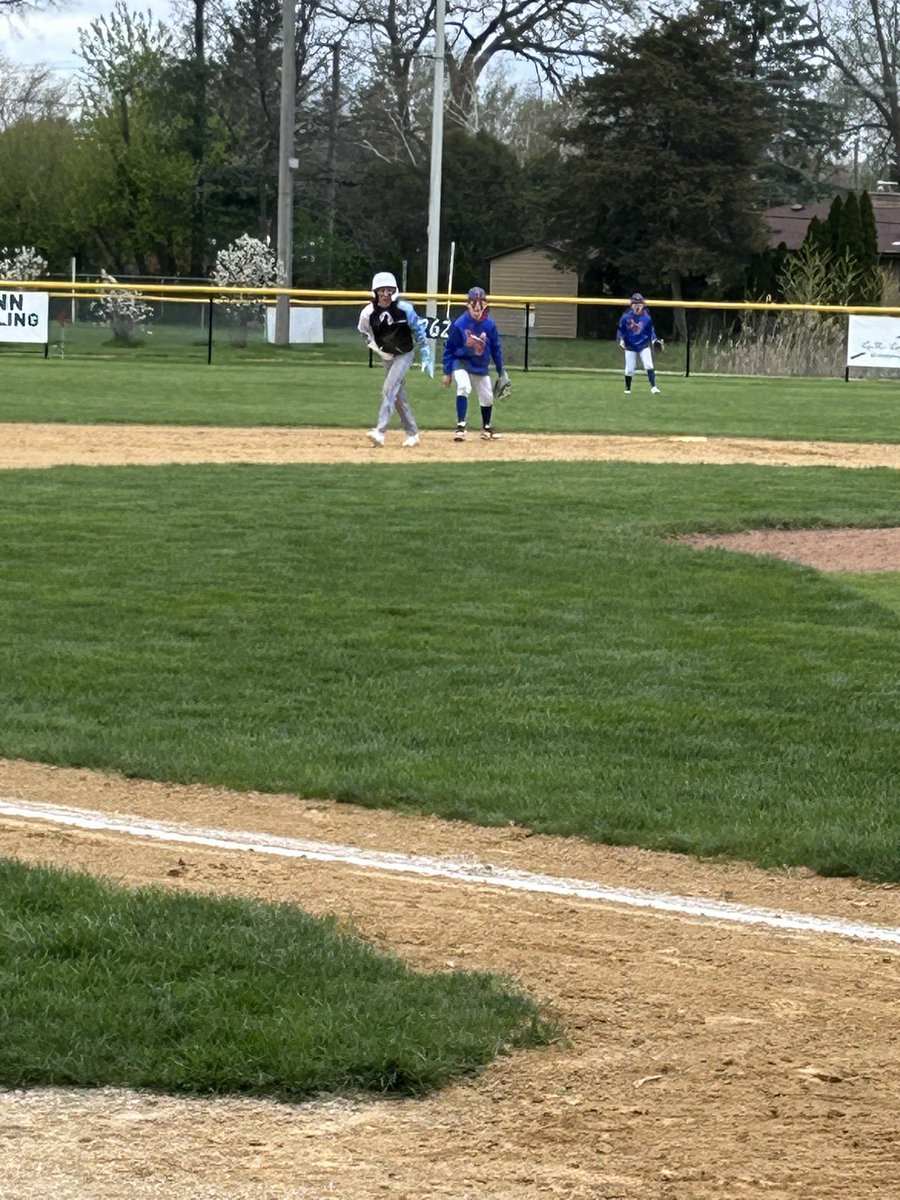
(704,1060)
(97,445)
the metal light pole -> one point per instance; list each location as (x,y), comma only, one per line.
(437,151)
(286,165)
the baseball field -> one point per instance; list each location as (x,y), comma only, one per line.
(594,729)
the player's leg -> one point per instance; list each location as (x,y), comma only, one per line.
(485,393)
(401,401)
(463,391)
(394,371)
(630,363)
(377,432)
(647,364)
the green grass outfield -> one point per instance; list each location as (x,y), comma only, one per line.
(508,642)
(307,393)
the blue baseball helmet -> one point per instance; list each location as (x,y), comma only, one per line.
(637,298)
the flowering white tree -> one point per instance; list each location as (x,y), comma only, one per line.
(247,262)
(126,314)
(22,263)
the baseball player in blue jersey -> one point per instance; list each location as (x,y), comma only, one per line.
(636,336)
(472,343)
(391,329)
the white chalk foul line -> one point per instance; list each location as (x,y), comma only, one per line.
(444,868)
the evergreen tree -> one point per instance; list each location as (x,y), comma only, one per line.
(850,232)
(838,259)
(833,222)
(657,181)
(869,254)
(818,237)
(764,273)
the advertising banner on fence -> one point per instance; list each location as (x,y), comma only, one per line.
(24,317)
(306,325)
(873,342)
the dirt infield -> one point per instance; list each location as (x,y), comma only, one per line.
(704,1059)
(97,445)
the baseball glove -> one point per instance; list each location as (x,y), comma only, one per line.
(659,345)
(502,386)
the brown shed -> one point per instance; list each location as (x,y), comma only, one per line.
(530,271)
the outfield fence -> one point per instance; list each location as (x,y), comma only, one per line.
(195,321)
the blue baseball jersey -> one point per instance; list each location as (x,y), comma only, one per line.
(471,345)
(636,330)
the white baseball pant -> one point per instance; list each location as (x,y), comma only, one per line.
(631,357)
(393,394)
(465,382)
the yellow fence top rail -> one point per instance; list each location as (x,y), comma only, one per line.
(68,288)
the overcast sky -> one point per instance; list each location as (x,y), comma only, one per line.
(52,37)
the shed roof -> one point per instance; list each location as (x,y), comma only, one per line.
(525,246)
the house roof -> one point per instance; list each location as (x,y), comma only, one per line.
(788,222)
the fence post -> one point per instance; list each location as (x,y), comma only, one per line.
(209,333)
(527,328)
(687,349)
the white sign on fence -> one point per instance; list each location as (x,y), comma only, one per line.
(873,342)
(306,325)
(25,317)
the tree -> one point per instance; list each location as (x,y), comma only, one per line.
(553,36)
(40,164)
(136,190)
(483,209)
(20,7)
(244,101)
(870,255)
(657,184)
(556,37)
(195,137)
(775,46)
(860,40)
(518,115)
(839,260)
(30,93)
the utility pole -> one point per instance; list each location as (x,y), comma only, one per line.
(287,164)
(437,152)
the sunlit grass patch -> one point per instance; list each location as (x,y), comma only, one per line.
(187,993)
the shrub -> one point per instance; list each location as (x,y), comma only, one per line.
(126,314)
(23,263)
(247,262)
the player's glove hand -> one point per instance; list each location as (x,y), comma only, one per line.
(659,345)
(502,386)
(427,359)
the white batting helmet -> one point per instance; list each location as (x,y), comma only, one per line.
(384,279)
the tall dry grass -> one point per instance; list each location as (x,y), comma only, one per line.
(791,343)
